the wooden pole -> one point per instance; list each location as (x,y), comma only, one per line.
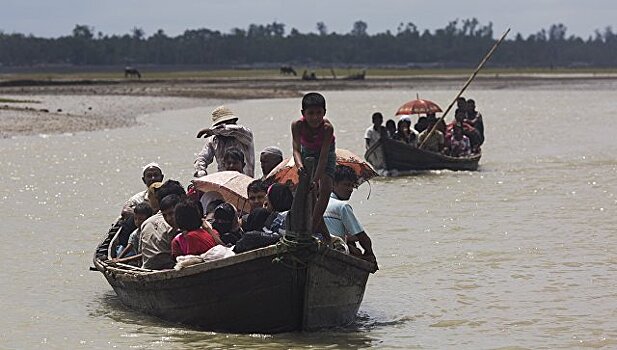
(473,75)
(300,216)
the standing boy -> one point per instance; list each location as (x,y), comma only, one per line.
(313,136)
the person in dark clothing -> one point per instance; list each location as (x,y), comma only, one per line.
(280,198)
(475,118)
(226,223)
(421,125)
(391,128)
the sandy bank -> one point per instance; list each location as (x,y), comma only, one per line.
(55,114)
(83,105)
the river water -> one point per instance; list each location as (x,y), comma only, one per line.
(518,255)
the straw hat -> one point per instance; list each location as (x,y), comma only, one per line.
(222,114)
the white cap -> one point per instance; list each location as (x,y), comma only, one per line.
(151,165)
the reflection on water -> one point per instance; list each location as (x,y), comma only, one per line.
(517,255)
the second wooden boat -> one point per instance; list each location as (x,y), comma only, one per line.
(388,154)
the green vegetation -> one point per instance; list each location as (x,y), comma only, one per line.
(458,44)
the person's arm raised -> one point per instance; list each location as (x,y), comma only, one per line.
(323,153)
(295,132)
(204,158)
(240,133)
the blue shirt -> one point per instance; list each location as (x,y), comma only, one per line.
(278,224)
(340,219)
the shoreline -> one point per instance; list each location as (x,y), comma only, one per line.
(60,106)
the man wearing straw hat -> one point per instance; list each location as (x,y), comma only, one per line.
(221,136)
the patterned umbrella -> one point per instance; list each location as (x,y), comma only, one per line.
(287,173)
(231,185)
(418,106)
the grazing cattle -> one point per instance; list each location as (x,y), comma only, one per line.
(285,70)
(130,72)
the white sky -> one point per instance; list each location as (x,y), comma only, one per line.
(53,18)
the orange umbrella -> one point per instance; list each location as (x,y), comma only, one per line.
(287,173)
(418,106)
(231,185)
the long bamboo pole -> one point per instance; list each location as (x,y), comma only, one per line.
(480,66)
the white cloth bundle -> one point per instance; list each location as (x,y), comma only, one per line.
(214,253)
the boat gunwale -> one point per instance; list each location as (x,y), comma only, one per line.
(473,159)
(145,275)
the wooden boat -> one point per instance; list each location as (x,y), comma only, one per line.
(388,154)
(292,286)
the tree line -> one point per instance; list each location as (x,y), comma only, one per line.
(459,43)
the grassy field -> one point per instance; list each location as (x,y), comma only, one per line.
(160,74)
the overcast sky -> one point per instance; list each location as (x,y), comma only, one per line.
(53,18)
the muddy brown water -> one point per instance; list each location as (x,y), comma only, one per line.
(520,254)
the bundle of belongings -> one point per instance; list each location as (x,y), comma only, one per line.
(215,253)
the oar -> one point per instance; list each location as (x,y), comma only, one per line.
(484,60)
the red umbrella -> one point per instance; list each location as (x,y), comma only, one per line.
(418,106)
(287,173)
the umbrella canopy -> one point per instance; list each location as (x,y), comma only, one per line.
(287,173)
(231,185)
(418,106)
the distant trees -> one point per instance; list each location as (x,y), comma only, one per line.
(459,43)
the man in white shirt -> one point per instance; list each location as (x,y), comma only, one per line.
(340,218)
(375,132)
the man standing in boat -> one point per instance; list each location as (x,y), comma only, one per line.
(375,132)
(221,136)
(340,218)
(475,118)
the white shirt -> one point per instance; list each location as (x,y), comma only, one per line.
(372,135)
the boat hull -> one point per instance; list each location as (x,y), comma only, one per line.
(391,155)
(268,290)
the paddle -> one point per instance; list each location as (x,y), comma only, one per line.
(484,60)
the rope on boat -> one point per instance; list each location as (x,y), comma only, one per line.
(300,249)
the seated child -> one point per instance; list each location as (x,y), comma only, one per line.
(459,144)
(279,201)
(193,239)
(227,224)
(257,220)
(141,212)
(256,236)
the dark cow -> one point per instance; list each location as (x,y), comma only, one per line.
(285,70)
(130,72)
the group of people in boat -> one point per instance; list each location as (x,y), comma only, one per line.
(165,221)
(460,138)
